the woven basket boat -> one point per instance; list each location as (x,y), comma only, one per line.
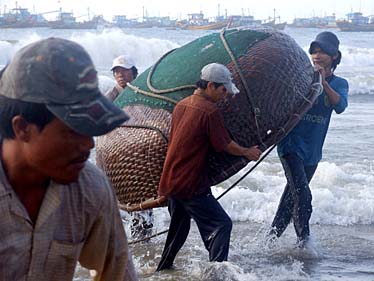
(277,86)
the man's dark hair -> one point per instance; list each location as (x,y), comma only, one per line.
(203,84)
(336,61)
(34,113)
(134,72)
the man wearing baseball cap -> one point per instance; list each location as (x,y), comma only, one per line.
(197,127)
(124,71)
(56,208)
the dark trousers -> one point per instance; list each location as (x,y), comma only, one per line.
(296,201)
(212,221)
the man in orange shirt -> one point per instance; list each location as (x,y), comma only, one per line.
(197,127)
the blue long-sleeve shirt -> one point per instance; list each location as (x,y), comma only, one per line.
(307,138)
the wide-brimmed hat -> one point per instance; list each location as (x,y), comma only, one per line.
(60,74)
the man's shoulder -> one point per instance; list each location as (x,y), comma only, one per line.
(93,182)
(339,81)
(199,103)
(92,174)
(112,94)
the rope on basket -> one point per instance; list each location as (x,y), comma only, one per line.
(256,110)
(164,91)
(156,93)
(219,197)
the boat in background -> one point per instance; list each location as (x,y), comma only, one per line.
(327,22)
(68,21)
(315,22)
(272,22)
(209,26)
(122,21)
(196,21)
(243,21)
(356,22)
(21,18)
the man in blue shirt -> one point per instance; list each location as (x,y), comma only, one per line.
(301,150)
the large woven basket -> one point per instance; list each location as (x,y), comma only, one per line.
(277,86)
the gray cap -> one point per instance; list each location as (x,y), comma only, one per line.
(218,73)
(60,74)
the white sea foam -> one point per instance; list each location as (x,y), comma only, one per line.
(356,56)
(341,195)
(357,67)
(103,47)
(282,273)
(6,52)
(357,64)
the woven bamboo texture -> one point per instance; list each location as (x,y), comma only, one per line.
(132,156)
(281,86)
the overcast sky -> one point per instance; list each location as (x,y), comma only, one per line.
(261,9)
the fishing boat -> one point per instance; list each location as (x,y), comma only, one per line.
(243,21)
(328,22)
(121,21)
(272,22)
(68,21)
(315,22)
(21,18)
(356,22)
(196,21)
(149,22)
(208,26)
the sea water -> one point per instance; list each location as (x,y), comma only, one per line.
(343,186)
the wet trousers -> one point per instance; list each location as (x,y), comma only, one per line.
(212,221)
(296,200)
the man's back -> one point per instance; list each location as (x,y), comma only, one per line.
(197,126)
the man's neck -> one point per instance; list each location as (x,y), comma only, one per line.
(328,71)
(29,185)
(119,88)
(204,94)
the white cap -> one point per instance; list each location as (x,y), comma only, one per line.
(123,61)
(218,73)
